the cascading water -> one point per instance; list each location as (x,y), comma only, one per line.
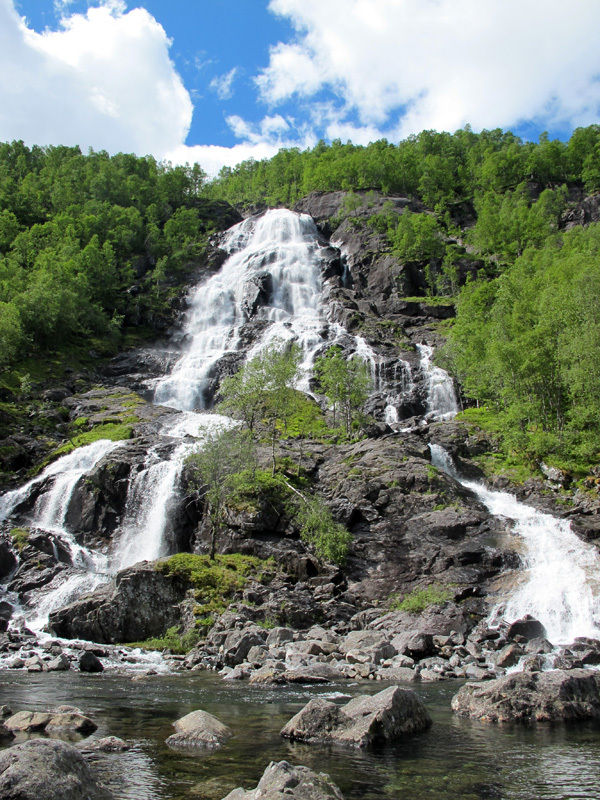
(441,397)
(152,495)
(560,583)
(275,258)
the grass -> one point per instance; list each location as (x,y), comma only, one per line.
(420,599)
(215,581)
(19,537)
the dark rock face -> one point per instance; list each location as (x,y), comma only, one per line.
(43,769)
(532,697)
(139,603)
(281,780)
(365,721)
(528,628)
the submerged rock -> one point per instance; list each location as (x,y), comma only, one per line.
(532,697)
(282,781)
(47,769)
(363,722)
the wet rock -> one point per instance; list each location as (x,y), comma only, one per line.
(532,697)
(88,662)
(199,729)
(59,664)
(70,722)
(139,603)
(6,735)
(28,721)
(108,744)
(43,769)
(509,655)
(528,628)
(282,780)
(363,722)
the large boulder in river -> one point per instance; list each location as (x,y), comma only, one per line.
(199,729)
(282,781)
(532,697)
(363,722)
(139,603)
(43,769)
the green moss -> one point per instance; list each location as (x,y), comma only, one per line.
(172,640)
(214,581)
(19,537)
(110,430)
(420,599)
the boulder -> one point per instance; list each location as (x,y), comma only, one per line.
(63,721)
(88,662)
(528,628)
(199,729)
(28,721)
(140,603)
(48,769)
(282,781)
(365,721)
(532,697)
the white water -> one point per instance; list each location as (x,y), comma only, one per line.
(280,243)
(441,397)
(153,494)
(560,583)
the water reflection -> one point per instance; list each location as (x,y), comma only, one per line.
(457,759)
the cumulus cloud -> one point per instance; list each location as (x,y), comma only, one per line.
(104,80)
(401,66)
(260,140)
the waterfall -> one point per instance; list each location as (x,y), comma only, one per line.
(273,274)
(52,506)
(441,397)
(560,583)
(153,495)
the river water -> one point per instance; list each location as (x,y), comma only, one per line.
(457,759)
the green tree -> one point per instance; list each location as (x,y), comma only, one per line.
(223,454)
(346,382)
(263,390)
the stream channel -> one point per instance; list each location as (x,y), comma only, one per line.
(457,758)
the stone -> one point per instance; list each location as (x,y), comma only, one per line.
(108,744)
(48,769)
(528,628)
(238,644)
(532,697)
(363,722)
(282,781)
(509,655)
(59,664)
(28,721)
(70,722)
(5,733)
(199,729)
(88,662)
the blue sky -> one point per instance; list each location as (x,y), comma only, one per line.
(218,81)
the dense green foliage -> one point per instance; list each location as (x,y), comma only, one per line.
(77,232)
(442,169)
(528,343)
(346,382)
(89,243)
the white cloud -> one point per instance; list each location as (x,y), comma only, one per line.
(223,85)
(103,80)
(212,157)
(401,66)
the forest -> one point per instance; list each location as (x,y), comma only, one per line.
(92,246)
